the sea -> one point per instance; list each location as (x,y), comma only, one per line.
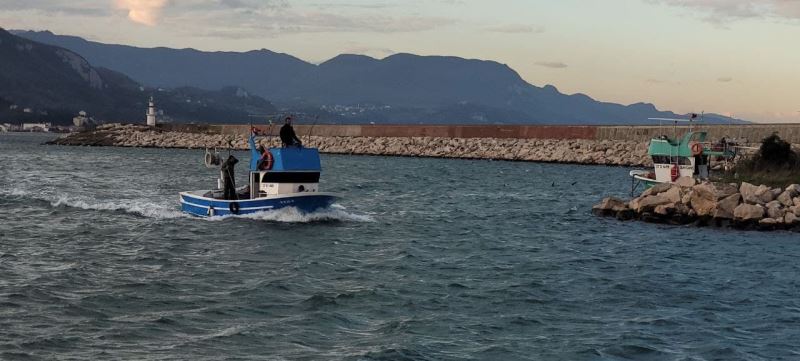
(420,259)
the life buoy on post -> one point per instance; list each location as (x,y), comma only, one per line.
(697,149)
(265,163)
(675,172)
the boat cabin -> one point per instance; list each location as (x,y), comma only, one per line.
(279,171)
(673,159)
(688,156)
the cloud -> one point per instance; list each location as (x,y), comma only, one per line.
(239,19)
(58,7)
(552,64)
(243,19)
(726,79)
(516,29)
(379,52)
(144,12)
(718,11)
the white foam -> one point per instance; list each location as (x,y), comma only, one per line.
(294,215)
(142,208)
(15,192)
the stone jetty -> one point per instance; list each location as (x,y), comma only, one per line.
(744,206)
(577,151)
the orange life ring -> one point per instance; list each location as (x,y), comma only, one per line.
(697,149)
(675,172)
(266,161)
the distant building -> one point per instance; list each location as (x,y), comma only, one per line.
(27,110)
(3,128)
(36,127)
(151,113)
(82,120)
(13,107)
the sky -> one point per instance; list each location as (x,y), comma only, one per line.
(735,57)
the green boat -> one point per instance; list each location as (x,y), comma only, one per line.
(686,157)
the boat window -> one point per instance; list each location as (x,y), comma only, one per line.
(291,177)
(665,159)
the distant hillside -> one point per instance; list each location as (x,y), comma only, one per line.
(401,88)
(54,83)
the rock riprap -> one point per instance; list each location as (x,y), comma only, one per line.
(744,206)
(578,151)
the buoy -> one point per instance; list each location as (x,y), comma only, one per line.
(211,211)
(266,161)
(675,172)
(697,149)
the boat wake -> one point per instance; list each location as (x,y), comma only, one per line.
(149,209)
(335,213)
(135,207)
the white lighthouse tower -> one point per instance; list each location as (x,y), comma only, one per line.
(151,113)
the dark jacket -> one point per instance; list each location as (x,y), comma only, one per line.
(288,137)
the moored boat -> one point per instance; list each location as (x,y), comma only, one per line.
(688,157)
(278,178)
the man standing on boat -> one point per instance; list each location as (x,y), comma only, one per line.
(288,137)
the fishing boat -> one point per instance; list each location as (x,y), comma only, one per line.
(687,157)
(278,178)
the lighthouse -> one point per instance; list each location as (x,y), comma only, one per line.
(151,113)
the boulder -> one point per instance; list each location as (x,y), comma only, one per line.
(756,195)
(796,201)
(687,197)
(748,212)
(656,189)
(786,198)
(768,223)
(649,203)
(726,206)
(775,210)
(776,192)
(794,190)
(609,206)
(790,219)
(673,194)
(704,199)
(686,182)
(725,190)
(665,210)
(683,209)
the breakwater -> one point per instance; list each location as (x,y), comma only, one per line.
(576,149)
(744,206)
(748,133)
(605,145)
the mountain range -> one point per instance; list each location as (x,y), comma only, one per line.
(40,82)
(402,88)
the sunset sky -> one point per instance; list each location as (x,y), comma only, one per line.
(733,57)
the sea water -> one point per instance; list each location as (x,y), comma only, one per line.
(421,259)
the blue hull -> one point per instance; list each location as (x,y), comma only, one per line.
(207,207)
